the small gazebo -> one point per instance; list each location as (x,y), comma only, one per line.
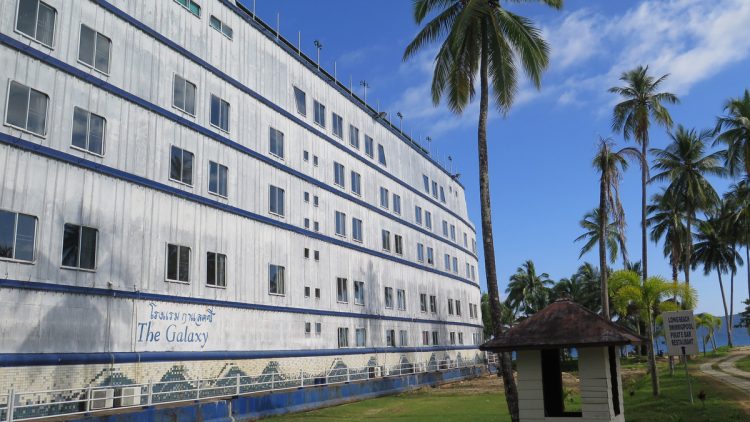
(538,342)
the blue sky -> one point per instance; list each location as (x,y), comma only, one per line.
(540,154)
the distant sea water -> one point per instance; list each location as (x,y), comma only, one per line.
(740,336)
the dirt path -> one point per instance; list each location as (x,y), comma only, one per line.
(728,373)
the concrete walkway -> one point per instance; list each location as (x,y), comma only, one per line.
(729,374)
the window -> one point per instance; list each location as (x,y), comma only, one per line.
(216,269)
(453,337)
(381,155)
(316,200)
(17,236)
(318,328)
(307,328)
(27,109)
(389,297)
(390,338)
(468,270)
(276,143)
(418,215)
(276,280)
(307,291)
(359,292)
(219,113)
(396,204)
(93,49)
(181,166)
(88,131)
(79,247)
(386,235)
(315,160)
(447,262)
(460,338)
(340,223)
(420,252)
(354,136)
(356,229)
(37,20)
(428,220)
(305,156)
(217,178)
(276,201)
(425,338)
(403,338)
(433,304)
(401,299)
(300,100)
(337,124)
(445,228)
(450,306)
(319,111)
(361,336)
(190,5)
(473,274)
(398,243)
(343,337)
(466,241)
(453,232)
(422,302)
(316,226)
(306,196)
(430,257)
(317,293)
(368,146)
(316,255)
(455,265)
(338,174)
(183,95)
(220,26)
(342,294)
(442,195)
(434,189)
(426,181)
(356,183)
(307,223)
(458,308)
(306,253)
(474,245)
(178,263)
(434,338)
(384,197)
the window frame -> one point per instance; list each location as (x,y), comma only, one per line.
(36,24)
(359,286)
(339,175)
(342,290)
(282,214)
(222,101)
(283,280)
(187,7)
(337,122)
(317,113)
(96,42)
(220,29)
(388,293)
(166,263)
(186,82)
(88,132)
(345,331)
(28,106)
(340,223)
(275,142)
(295,90)
(15,238)
(182,166)
(369,146)
(354,140)
(78,267)
(364,337)
(217,255)
(356,238)
(219,167)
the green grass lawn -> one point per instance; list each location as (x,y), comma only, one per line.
(744,364)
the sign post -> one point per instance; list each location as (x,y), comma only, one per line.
(679,328)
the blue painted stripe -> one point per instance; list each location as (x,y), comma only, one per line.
(44,359)
(239,85)
(138,295)
(170,190)
(87,77)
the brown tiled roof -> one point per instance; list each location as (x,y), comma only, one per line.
(562,324)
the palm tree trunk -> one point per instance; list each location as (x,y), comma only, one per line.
(603,185)
(730,321)
(651,357)
(644,181)
(726,312)
(509,383)
(747,265)
(689,247)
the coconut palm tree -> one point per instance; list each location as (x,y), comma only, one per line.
(738,199)
(684,163)
(482,38)
(615,240)
(666,222)
(733,129)
(610,165)
(715,252)
(642,103)
(582,287)
(528,291)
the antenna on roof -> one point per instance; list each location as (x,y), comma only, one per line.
(401,122)
(253,9)
(450,160)
(363,84)
(378,105)
(351,92)
(335,79)
(429,144)
(318,46)
(299,43)
(278,23)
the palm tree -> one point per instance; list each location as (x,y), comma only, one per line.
(615,240)
(642,103)
(481,37)
(733,130)
(715,252)
(582,287)
(685,164)
(610,164)
(705,320)
(738,199)
(527,290)
(665,221)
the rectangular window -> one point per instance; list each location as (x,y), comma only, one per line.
(403,338)
(276,280)
(425,338)
(220,26)
(453,337)
(428,220)
(396,204)
(445,228)
(36,19)
(178,263)
(306,196)
(390,338)
(354,136)
(458,308)
(183,95)
(356,229)
(317,293)
(181,166)
(342,293)
(442,195)
(219,113)
(316,226)
(384,197)
(337,125)
(315,160)
(319,111)
(307,291)
(420,252)
(338,174)
(401,299)
(450,306)
(340,223)
(306,253)
(307,223)
(191,6)
(88,131)
(305,156)
(276,200)
(434,189)
(93,49)
(308,328)
(426,181)
(423,302)
(460,338)
(276,143)
(430,256)
(343,337)
(466,241)
(455,265)
(79,247)
(453,232)
(27,109)
(386,235)
(356,183)
(216,269)
(398,243)
(447,262)
(468,270)
(389,297)
(381,155)
(316,200)
(217,178)
(369,146)
(434,338)
(418,215)
(359,292)
(473,274)
(17,236)
(300,100)
(361,335)
(433,304)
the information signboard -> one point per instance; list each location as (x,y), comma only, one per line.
(679,328)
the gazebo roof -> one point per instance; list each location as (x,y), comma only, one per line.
(562,324)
